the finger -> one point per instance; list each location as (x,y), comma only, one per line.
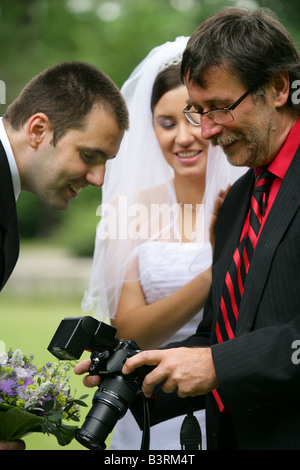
(226,190)
(151,380)
(169,386)
(91,381)
(150,358)
(160,374)
(220,199)
(82,367)
(216,209)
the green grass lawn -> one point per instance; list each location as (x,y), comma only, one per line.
(29,325)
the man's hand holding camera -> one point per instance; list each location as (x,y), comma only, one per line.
(188,371)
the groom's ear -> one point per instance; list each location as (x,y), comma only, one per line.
(38,128)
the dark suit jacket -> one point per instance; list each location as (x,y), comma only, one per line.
(258,379)
(9,233)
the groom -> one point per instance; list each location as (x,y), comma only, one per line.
(55,139)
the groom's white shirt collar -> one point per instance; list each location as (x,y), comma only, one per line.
(11,160)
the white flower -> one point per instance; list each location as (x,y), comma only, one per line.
(38,395)
(22,393)
(3,359)
(43,389)
(23,374)
(17,358)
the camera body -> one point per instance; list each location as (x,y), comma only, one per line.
(108,355)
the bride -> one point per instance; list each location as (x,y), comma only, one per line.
(151,268)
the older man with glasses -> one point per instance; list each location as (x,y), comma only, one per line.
(239,68)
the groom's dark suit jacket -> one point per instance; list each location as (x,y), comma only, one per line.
(258,370)
(9,234)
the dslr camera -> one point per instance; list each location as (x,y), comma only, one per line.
(117,391)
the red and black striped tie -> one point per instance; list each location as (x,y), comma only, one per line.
(236,275)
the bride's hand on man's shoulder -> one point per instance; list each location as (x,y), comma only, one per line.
(217,206)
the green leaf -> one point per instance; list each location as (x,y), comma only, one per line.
(74,418)
(64,434)
(80,402)
(48,406)
(68,407)
(55,415)
(5,407)
(14,424)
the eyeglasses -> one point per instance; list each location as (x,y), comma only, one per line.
(218,116)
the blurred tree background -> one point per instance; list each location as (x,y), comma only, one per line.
(113,35)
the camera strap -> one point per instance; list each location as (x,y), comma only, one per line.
(145,444)
(190,433)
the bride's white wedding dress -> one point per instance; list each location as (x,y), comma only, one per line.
(165,267)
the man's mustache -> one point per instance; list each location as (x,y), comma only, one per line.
(227,139)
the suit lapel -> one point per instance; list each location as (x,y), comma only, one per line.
(282,212)
(8,221)
(6,189)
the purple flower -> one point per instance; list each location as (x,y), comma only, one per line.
(25,375)
(22,393)
(8,387)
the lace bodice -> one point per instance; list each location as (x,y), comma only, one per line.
(164,267)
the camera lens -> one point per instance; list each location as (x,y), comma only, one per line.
(110,403)
(88,440)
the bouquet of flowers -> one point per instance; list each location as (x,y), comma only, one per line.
(36,399)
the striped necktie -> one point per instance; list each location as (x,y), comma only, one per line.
(236,276)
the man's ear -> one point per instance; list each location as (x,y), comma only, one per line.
(38,127)
(281,88)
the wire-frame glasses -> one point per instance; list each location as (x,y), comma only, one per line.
(218,116)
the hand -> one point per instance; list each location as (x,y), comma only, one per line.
(12,445)
(186,371)
(89,380)
(217,206)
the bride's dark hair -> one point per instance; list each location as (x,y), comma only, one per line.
(166,80)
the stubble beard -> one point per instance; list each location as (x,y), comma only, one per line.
(251,149)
